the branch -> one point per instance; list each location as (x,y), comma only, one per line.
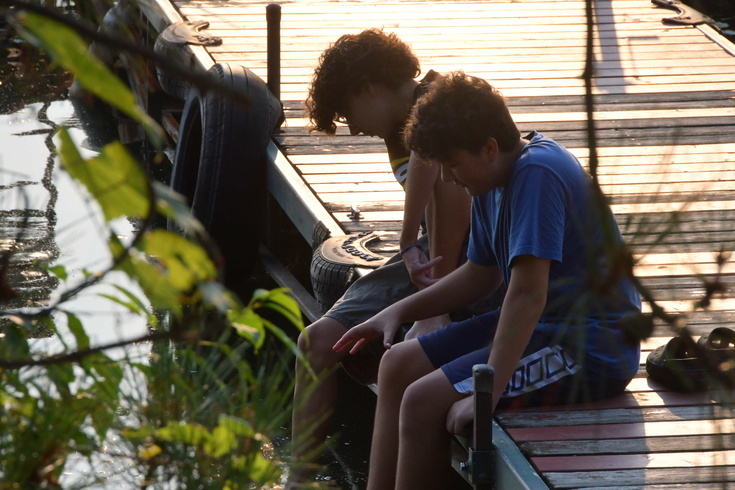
(78,356)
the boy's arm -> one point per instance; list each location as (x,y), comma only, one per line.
(522,308)
(460,288)
(447,209)
(448,221)
(420,179)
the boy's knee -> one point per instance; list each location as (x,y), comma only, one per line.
(395,364)
(419,410)
(417,401)
(318,338)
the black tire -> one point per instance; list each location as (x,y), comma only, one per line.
(333,264)
(329,280)
(181,54)
(220,167)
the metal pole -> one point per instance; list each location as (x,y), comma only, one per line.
(482,455)
(273,17)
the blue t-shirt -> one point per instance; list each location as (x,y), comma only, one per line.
(547,210)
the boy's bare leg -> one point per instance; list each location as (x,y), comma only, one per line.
(314,405)
(424,458)
(403,364)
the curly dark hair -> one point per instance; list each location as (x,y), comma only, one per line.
(348,65)
(459,111)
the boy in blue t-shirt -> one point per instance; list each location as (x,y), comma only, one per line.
(536,227)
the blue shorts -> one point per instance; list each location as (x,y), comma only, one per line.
(545,375)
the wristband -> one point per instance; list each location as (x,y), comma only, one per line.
(408,247)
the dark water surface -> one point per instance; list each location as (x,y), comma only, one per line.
(59,224)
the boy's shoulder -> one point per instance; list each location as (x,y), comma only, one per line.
(544,152)
(544,163)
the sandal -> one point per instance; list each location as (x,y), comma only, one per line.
(675,367)
(719,344)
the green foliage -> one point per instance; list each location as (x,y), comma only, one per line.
(201,413)
(201,410)
(113,178)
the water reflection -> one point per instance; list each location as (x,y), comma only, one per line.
(28,199)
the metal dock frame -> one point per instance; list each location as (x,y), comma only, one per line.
(491,460)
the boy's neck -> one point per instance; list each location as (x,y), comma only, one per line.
(508,158)
(405,99)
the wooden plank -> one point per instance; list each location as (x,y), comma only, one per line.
(678,115)
(640,445)
(297,92)
(695,459)
(529,418)
(638,478)
(648,168)
(622,430)
(724,150)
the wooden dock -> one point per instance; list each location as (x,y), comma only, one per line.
(665,116)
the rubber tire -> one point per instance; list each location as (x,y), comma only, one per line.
(181,54)
(220,166)
(332,272)
(329,280)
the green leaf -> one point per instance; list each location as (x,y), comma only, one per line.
(77,329)
(151,278)
(69,51)
(14,345)
(191,434)
(59,271)
(135,305)
(262,470)
(137,434)
(248,325)
(173,206)
(113,177)
(109,375)
(186,262)
(62,375)
(280,301)
(218,296)
(221,442)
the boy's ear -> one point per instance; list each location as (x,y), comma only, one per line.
(491,148)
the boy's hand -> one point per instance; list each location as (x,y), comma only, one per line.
(367,331)
(419,267)
(460,418)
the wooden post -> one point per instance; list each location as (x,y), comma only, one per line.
(481,453)
(273,17)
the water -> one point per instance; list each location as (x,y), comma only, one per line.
(63,226)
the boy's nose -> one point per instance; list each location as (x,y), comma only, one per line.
(354,130)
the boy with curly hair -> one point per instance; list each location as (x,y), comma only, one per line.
(536,226)
(367,81)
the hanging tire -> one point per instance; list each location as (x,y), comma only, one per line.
(181,54)
(174,43)
(220,166)
(333,264)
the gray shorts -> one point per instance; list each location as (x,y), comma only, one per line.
(390,283)
(376,291)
